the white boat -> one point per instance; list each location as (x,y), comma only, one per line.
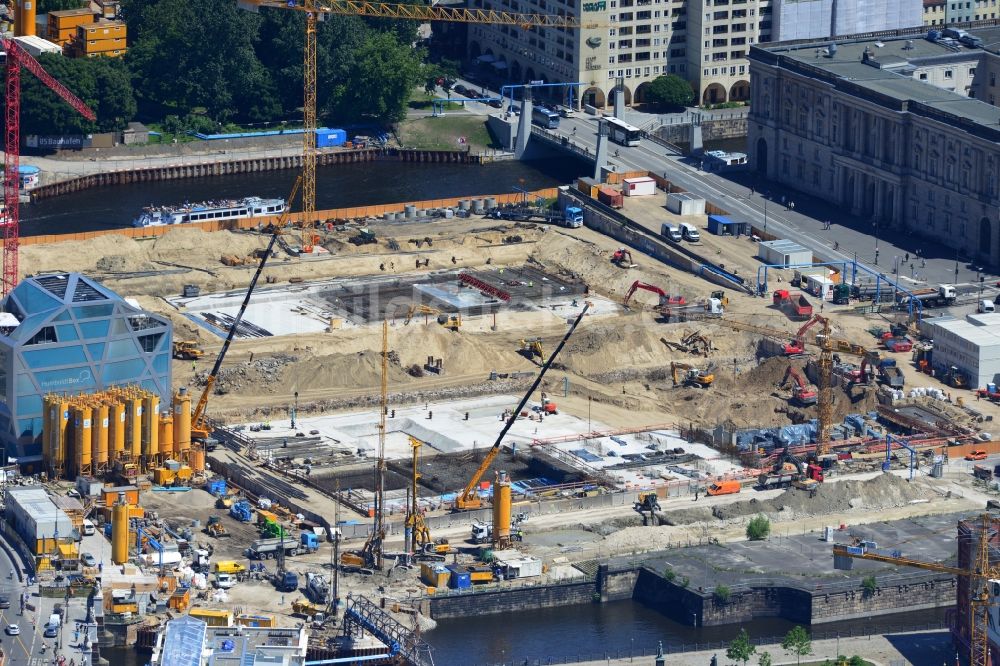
(209,211)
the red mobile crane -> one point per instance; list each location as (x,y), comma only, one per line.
(17,58)
(665,298)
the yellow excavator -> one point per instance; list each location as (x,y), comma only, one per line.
(449,321)
(187,350)
(685,374)
(532,348)
(468,499)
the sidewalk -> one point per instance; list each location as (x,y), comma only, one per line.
(931,648)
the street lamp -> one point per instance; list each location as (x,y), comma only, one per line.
(875,223)
(295,409)
(766,194)
(980,279)
(956,265)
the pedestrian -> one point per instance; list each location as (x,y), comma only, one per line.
(791,205)
(923,263)
(194,366)
(836,245)
(751,190)
(821,304)
(906,258)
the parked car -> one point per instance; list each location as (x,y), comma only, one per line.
(496,103)
(976,454)
(88,560)
(4,602)
(13,630)
(460,89)
(51,631)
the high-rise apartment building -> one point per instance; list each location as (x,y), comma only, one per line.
(703,41)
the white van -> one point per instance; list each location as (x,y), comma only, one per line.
(671,232)
(986,305)
(690,232)
(89,529)
(224,581)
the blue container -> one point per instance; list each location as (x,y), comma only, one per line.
(330,138)
(460,579)
(217,487)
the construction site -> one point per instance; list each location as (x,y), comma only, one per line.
(454,410)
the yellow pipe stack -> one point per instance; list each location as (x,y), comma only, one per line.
(119,530)
(84,434)
(101,437)
(501,510)
(150,428)
(182,424)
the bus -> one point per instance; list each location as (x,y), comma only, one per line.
(543,117)
(621,132)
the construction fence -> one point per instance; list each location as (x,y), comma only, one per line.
(330,217)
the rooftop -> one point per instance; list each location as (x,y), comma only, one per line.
(981,333)
(885,75)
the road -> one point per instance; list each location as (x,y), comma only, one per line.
(21,650)
(747,198)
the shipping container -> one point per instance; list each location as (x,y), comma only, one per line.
(610,197)
(434,575)
(214,618)
(685,203)
(588,186)
(643,186)
(330,138)
(783,253)
(459,578)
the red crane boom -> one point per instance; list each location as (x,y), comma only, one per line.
(17,58)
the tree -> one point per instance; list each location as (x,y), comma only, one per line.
(765,659)
(758,528)
(377,83)
(722,593)
(102,83)
(46,6)
(797,642)
(670,90)
(869,586)
(741,649)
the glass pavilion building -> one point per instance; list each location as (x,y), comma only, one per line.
(66,334)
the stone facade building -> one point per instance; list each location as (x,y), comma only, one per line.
(886,128)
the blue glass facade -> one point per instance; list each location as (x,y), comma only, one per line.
(71,336)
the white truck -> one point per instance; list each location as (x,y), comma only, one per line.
(268,549)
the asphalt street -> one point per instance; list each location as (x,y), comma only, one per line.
(23,649)
(916,261)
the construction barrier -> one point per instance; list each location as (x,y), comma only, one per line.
(331,216)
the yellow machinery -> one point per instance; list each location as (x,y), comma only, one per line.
(982,574)
(451,322)
(306,608)
(418,536)
(200,430)
(370,555)
(215,528)
(468,498)
(685,374)
(187,350)
(501,512)
(119,530)
(532,348)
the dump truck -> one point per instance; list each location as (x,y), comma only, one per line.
(941,297)
(187,350)
(889,374)
(268,549)
(903,344)
(794,304)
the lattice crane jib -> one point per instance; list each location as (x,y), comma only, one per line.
(18,58)
(310,124)
(825,376)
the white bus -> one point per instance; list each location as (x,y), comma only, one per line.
(622,133)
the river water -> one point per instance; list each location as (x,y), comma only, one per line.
(593,632)
(338,186)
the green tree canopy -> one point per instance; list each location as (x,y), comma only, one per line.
(670,90)
(741,649)
(797,642)
(758,528)
(102,83)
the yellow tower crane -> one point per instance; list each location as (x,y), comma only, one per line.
(318,10)
(981,573)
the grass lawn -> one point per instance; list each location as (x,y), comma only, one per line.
(424,101)
(444,132)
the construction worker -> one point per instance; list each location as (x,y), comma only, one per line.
(194,366)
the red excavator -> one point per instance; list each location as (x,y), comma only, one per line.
(802,393)
(666,300)
(797,347)
(623,258)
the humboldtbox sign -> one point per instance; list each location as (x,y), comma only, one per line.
(599,6)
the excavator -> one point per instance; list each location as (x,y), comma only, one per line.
(468,499)
(685,374)
(531,348)
(622,258)
(449,321)
(797,346)
(666,300)
(187,350)
(200,429)
(802,393)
